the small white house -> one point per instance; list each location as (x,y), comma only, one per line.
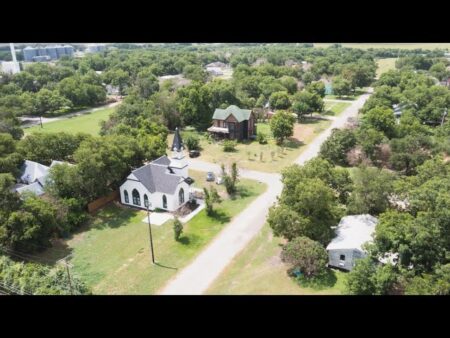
(161,184)
(351,233)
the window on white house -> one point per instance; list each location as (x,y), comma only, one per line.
(181,196)
(136,197)
(342,257)
(145,200)
(164,199)
(125,194)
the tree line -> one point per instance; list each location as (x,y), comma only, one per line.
(400,173)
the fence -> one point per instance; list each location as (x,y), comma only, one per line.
(102,201)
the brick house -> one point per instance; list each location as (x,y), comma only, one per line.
(233,123)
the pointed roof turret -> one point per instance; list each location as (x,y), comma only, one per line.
(177,144)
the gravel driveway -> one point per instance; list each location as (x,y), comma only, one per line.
(207,266)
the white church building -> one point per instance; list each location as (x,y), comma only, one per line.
(161,184)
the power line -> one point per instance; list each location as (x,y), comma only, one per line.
(47,248)
(12,288)
(27,256)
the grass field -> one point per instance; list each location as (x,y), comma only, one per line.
(369,45)
(247,154)
(112,254)
(87,123)
(335,108)
(258,270)
(385,65)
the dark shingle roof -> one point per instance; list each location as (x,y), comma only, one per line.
(163,160)
(177,141)
(238,113)
(155,176)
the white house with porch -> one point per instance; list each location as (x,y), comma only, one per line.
(161,184)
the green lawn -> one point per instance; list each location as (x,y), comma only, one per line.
(87,123)
(335,108)
(385,65)
(112,254)
(247,154)
(429,46)
(258,270)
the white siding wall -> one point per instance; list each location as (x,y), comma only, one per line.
(351,255)
(156,199)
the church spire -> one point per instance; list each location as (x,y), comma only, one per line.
(177,144)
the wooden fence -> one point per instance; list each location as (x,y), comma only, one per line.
(102,201)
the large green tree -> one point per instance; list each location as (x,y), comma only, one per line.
(371,191)
(282,126)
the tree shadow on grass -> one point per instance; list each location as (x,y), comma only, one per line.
(165,266)
(312,119)
(242,192)
(113,217)
(329,113)
(184,240)
(325,281)
(220,216)
(292,142)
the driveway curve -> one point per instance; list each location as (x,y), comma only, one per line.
(207,266)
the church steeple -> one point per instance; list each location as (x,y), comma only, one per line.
(178,163)
(177,144)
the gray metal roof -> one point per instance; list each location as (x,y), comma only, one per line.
(353,231)
(32,171)
(35,188)
(156,176)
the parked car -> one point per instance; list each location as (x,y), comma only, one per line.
(194,153)
(210,176)
(219,180)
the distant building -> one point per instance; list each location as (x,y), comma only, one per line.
(216,71)
(217,64)
(10,67)
(95,48)
(351,233)
(54,52)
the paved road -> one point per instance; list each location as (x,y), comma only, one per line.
(207,266)
(33,120)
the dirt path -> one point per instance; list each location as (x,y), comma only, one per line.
(207,266)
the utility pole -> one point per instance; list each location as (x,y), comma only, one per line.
(64,262)
(68,275)
(150,231)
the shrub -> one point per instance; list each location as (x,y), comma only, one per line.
(309,256)
(229,145)
(192,142)
(177,229)
(261,138)
(211,197)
